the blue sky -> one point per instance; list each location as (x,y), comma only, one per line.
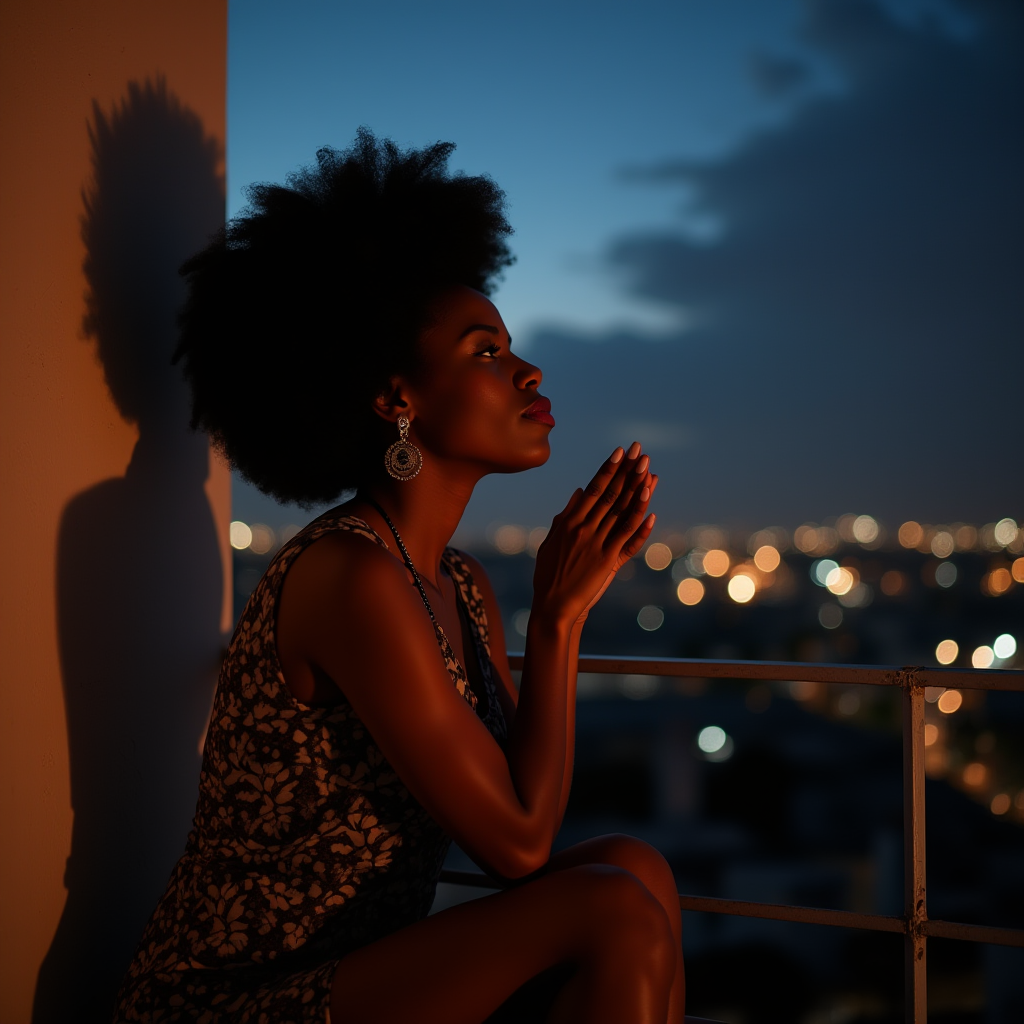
(657,159)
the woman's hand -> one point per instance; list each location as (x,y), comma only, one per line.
(600,529)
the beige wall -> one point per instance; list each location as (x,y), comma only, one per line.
(106,672)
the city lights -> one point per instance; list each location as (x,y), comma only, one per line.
(741,588)
(1017,570)
(820,570)
(946,652)
(910,534)
(983,656)
(840,580)
(997,582)
(511,539)
(263,539)
(830,616)
(716,562)
(865,530)
(658,556)
(240,535)
(650,618)
(714,743)
(945,574)
(892,582)
(1004,647)
(690,591)
(942,544)
(1005,532)
(950,701)
(767,558)
(711,738)
(1000,803)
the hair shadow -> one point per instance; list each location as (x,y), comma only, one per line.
(139,577)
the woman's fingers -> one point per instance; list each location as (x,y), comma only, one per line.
(600,494)
(618,495)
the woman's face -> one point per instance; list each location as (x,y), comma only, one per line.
(471,400)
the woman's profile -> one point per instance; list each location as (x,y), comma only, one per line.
(337,337)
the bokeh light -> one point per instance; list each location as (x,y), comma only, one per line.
(931,735)
(1005,646)
(892,582)
(910,534)
(865,530)
(511,539)
(767,558)
(946,652)
(658,556)
(1017,570)
(741,588)
(975,774)
(997,582)
(820,570)
(716,562)
(263,539)
(848,703)
(950,701)
(983,656)
(966,537)
(240,535)
(534,540)
(1005,532)
(714,743)
(650,618)
(1000,803)
(945,574)
(711,738)
(690,591)
(942,544)
(840,580)
(830,616)
(521,621)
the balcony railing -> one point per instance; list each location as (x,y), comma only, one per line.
(914,924)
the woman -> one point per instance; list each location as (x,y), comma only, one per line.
(339,336)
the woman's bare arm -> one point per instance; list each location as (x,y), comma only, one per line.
(349,612)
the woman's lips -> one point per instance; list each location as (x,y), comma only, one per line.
(540,412)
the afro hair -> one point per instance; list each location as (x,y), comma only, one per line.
(305,305)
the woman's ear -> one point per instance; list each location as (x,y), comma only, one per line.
(392,403)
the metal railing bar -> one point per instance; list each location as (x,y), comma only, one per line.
(865,675)
(915,907)
(973,933)
(801,915)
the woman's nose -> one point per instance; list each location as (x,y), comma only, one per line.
(527,375)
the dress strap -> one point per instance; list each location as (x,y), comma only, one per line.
(405,558)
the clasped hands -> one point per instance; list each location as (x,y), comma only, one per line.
(600,529)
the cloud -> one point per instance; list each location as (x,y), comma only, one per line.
(858,323)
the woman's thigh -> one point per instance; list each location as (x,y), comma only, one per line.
(460,965)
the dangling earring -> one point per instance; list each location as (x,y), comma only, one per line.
(403,460)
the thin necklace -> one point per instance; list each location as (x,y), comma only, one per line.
(405,557)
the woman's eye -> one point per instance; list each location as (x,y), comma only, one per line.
(491,350)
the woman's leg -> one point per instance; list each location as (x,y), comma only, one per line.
(458,966)
(651,868)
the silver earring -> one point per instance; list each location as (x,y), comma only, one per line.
(403,460)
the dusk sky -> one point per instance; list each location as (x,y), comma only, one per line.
(779,242)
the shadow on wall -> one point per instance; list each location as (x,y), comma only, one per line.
(139,575)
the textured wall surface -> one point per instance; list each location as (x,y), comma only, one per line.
(113,515)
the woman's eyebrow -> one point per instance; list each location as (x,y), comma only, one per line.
(490,328)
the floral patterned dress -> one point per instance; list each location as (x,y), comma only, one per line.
(305,844)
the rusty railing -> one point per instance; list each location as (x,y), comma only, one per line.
(914,924)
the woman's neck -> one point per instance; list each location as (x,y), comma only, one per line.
(425,511)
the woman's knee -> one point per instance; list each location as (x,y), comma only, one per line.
(620,909)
